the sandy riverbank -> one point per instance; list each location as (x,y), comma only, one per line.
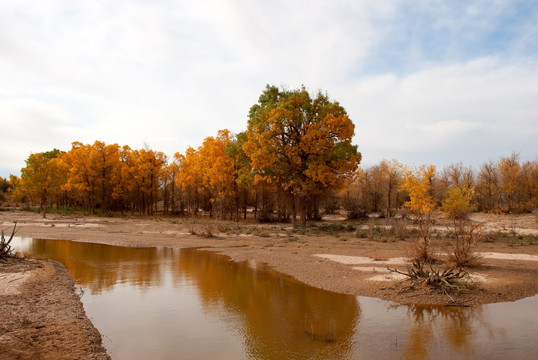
(499,278)
(41,316)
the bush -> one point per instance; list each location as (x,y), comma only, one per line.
(6,251)
(465,235)
(465,239)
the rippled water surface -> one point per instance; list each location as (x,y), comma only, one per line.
(162,303)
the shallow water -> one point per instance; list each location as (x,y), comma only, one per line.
(163,303)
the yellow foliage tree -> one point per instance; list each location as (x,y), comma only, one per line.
(242,171)
(217,166)
(168,179)
(458,202)
(43,177)
(82,177)
(210,172)
(301,144)
(146,174)
(418,183)
(105,162)
(190,179)
(456,206)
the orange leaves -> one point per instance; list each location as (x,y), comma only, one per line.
(42,177)
(301,143)
(419,184)
(217,167)
(101,175)
(294,143)
(208,172)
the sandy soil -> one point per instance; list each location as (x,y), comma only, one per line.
(331,255)
(41,317)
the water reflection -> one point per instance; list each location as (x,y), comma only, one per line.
(278,316)
(272,315)
(452,324)
(167,303)
(99,267)
(494,331)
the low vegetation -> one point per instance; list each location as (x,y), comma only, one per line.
(445,279)
(6,251)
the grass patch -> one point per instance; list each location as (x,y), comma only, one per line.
(510,239)
(331,228)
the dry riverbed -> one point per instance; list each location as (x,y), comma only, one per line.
(346,257)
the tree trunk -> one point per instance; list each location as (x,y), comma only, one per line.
(44,203)
(256,205)
(389,210)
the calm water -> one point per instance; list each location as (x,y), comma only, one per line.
(162,303)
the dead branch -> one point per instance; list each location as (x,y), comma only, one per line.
(444,279)
(6,250)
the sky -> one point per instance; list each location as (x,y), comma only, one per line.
(424,82)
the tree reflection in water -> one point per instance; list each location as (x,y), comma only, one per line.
(247,308)
(99,267)
(277,316)
(437,331)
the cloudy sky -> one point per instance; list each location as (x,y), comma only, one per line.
(424,81)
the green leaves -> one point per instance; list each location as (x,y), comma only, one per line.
(300,142)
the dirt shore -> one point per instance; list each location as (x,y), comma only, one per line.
(293,251)
(41,316)
(334,255)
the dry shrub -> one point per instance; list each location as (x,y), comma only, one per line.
(464,235)
(444,279)
(208,230)
(192,228)
(421,249)
(464,239)
(372,231)
(355,208)
(6,251)
(399,229)
(205,229)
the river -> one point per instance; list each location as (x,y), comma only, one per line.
(164,303)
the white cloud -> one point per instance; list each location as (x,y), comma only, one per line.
(465,112)
(169,73)
(442,132)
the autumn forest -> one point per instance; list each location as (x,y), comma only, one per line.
(294,162)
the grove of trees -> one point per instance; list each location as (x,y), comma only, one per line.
(504,186)
(294,161)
